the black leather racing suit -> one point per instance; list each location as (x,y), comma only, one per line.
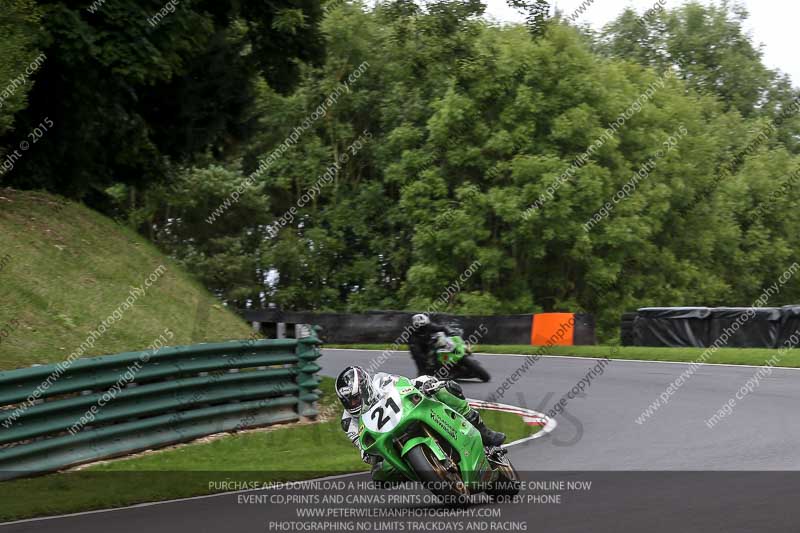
(421,346)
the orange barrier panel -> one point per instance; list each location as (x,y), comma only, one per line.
(552,329)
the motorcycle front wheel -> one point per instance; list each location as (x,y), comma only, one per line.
(435,475)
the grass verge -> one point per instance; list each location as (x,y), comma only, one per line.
(65,268)
(288,453)
(730,356)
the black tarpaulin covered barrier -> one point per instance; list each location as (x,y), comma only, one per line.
(701,327)
(790,326)
(499,329)
(672,326)
(744,327)
(388,327)
(585,332)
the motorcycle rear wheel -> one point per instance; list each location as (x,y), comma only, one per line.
(471,368)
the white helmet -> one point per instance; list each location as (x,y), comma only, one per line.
(354,389)
(420,320)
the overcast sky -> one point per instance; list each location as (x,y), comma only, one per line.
(772,23)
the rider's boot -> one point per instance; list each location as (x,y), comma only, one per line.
(489,437)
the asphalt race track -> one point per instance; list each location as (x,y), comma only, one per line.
(670,473)
(599,432)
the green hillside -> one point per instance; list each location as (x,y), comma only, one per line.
(65,269)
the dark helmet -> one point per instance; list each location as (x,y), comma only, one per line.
(354,389)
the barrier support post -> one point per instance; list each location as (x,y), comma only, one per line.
(307,381)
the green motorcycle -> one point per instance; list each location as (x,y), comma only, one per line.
(454,355)
(422,439)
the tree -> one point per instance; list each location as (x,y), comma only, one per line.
(19,55)
(536,12)
(457,134)
(129,91)
(706,44)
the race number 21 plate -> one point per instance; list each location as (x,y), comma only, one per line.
(384,415)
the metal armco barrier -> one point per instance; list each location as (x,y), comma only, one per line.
(159,398)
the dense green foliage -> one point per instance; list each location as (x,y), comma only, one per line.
(19,27)
(131,84)
(453,129)
(710,51)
